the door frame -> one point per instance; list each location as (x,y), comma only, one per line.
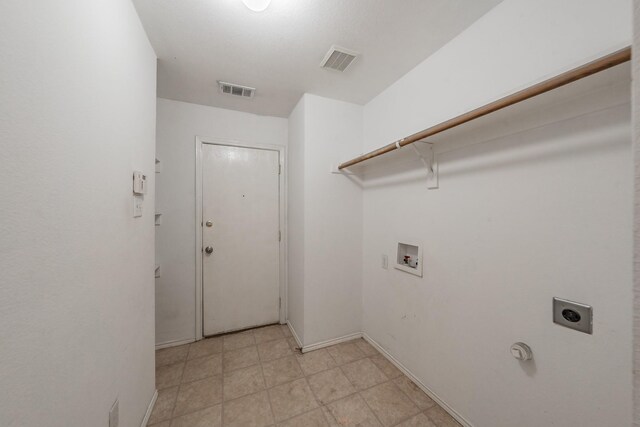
(282,156)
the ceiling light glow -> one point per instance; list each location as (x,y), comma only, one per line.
(257,5)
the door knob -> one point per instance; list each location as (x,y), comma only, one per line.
(209,224)
(208,249)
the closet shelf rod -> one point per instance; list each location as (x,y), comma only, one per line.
(593,67)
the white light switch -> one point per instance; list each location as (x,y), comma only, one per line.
(385,261)
(137,206)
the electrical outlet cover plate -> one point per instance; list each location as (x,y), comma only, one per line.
(573,315)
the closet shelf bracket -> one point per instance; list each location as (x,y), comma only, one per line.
(335,170)
(430,163)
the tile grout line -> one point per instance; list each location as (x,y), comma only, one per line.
(266,389)
(273,414)
(306,381)
(295,358)
(319,404)
(304,413)
(175,402)
(358,391)
(409,397)
(324,414)
(388,380)
(184,362)
(368,406)
(392,381)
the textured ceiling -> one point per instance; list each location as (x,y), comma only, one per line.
(279,50)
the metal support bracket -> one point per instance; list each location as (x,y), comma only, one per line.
(357,179)
(430,163)
(334,169)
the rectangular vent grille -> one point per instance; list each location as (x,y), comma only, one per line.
(338,58)
(236,90)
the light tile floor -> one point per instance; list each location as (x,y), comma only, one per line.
(258,378)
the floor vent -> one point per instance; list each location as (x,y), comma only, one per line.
(338,58)
(236,90)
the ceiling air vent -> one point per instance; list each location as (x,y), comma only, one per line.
(338,58)
(236,90)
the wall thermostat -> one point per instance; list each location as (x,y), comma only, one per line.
(139,183)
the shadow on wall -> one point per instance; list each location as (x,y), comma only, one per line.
(512,132)
(507,151)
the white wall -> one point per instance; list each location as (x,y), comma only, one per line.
(333,221)
(636,145)
(516,44)
(325,229)
(541,208)
(77,116)
(295,217)
(178,125)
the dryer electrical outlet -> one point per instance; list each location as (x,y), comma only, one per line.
(573,315)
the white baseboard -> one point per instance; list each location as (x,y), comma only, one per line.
(321,344)
(419,383)
(174,343)
(147,415)
(330,342)
(295,336)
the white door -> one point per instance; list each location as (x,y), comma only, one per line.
(240,215)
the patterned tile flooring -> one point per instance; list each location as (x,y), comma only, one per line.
(257,378)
